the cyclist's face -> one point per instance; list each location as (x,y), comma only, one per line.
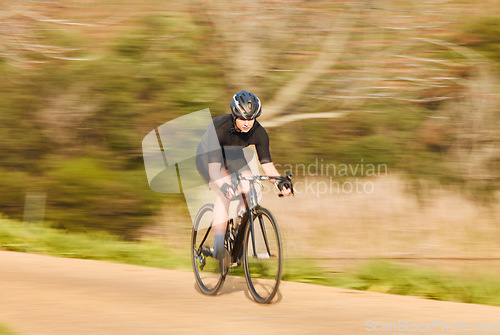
(244,125)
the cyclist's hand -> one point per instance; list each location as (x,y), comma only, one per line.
(227,191)
(286,191)
(285,187)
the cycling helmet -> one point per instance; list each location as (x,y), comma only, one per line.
(245,105)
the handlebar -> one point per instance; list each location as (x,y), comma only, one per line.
(239,176)
(288,177)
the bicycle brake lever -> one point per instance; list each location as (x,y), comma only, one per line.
(289,178)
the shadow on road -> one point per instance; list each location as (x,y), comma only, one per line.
(235,284)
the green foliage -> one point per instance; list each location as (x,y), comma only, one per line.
(22,142)
(392,135)
(484,35)
(387,277)
(305,271)
(94,178)
(17,183)
(165,66)
(370,137)
(383,276)
(4,330)
(15,236)
(375,149)
(84,195)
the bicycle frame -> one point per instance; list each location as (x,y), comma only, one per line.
(250,209)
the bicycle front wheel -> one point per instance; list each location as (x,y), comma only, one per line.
(206,267)
(262,256)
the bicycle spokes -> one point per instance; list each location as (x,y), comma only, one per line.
(262,257)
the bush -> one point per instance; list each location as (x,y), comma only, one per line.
(14,186)
(484,35)
(85,195)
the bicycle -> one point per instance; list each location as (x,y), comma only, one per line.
(254,242)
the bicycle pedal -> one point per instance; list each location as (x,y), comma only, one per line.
(207,250)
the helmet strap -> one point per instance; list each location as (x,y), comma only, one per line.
(234,124)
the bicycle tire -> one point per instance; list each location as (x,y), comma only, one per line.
(206,267)
(263,256)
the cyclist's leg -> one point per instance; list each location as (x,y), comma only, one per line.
(237,163)
(221,216)
(244,188)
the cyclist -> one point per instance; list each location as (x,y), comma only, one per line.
(220,153)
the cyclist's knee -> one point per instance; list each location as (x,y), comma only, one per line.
(221,201)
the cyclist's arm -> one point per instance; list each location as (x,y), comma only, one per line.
(270,170)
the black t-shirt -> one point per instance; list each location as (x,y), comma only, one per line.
(222,143)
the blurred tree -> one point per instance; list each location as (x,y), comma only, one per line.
(388,82)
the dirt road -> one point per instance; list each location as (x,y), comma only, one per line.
(43,295)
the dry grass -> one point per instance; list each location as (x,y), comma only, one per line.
(445,230)
(388,223)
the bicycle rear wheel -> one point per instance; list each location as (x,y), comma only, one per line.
(206,267)
(262,256)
